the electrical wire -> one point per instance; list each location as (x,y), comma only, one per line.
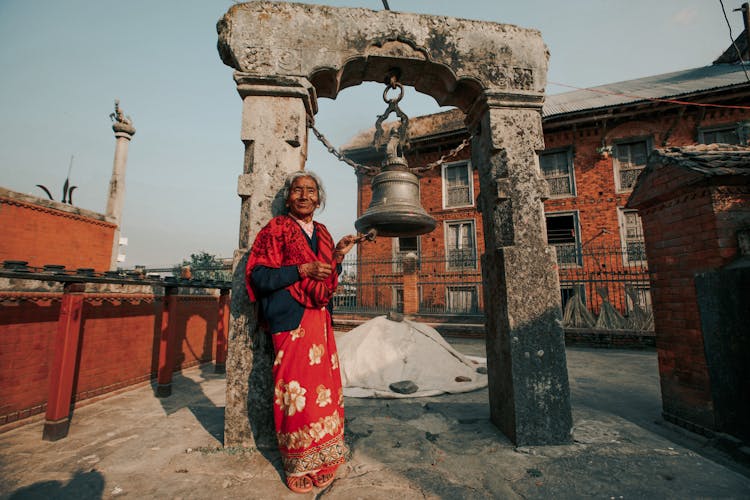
(731,39)
(653,99)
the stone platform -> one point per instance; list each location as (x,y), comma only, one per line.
(135,445)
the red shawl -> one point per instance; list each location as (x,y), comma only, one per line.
(283,243)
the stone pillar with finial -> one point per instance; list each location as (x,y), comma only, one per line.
(124,132)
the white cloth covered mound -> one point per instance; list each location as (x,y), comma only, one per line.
(380,352)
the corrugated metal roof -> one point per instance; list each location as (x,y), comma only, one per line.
(665,86)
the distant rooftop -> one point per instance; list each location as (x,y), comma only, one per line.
(710,160)
(726,73)
(666,86)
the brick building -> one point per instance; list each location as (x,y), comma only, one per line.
(597,141)
(42,232)
(124,326)
(695,205)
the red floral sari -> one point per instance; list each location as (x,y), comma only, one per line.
(308,397)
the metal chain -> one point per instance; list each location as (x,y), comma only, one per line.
(449,155)
(364,169)
(358,167)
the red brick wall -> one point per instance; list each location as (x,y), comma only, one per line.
(673,259)
(431,198)
(431,244)
(43,235)
(690,229)
(27,331)
(597,201)
(119,344)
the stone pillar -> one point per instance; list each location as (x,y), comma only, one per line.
(124,132)
(274,131)
(528,379)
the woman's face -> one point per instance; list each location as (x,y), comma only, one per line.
(303,198)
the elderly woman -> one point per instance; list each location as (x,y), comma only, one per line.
(293,272)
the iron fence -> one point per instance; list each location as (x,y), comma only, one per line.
(604,288)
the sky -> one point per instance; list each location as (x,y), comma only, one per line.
(64,63)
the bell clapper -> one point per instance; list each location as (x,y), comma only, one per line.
(369,236)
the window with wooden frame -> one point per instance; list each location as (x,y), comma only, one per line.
(461,299)
(402,246)
(460,245)
(557,169)
(458,185)
(723,134)
(563,233)
(631,236)
(629,160)
(397,295)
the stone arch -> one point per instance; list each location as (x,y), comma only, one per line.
(428,77)
(288,55)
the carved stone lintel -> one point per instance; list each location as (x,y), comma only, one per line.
(286,86)
(451,59)
(514,100)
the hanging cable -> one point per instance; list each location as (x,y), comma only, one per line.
(731,39)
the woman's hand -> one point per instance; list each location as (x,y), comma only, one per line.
(344,246)
(316,270)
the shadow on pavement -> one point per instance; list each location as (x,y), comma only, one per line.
(82,486)
(187,393)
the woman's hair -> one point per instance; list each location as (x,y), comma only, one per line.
(305,173)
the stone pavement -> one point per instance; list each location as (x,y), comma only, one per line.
(134,445)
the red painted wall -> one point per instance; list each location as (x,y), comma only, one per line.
(41,234)
(119,344)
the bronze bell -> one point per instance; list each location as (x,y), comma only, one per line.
(395,209)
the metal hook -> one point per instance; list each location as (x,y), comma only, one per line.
(393,85)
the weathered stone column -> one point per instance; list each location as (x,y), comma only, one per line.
(494,73)
(124,132)
(274,131)
(528,378)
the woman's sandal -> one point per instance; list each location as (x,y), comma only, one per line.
(323,477)
(299,484)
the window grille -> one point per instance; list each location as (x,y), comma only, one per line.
(632,237)
(557,170)
(630,161)
(723,135)
(457,182)
(398,299)
(402,246)
(461,245)
(562,233)
(462,299)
